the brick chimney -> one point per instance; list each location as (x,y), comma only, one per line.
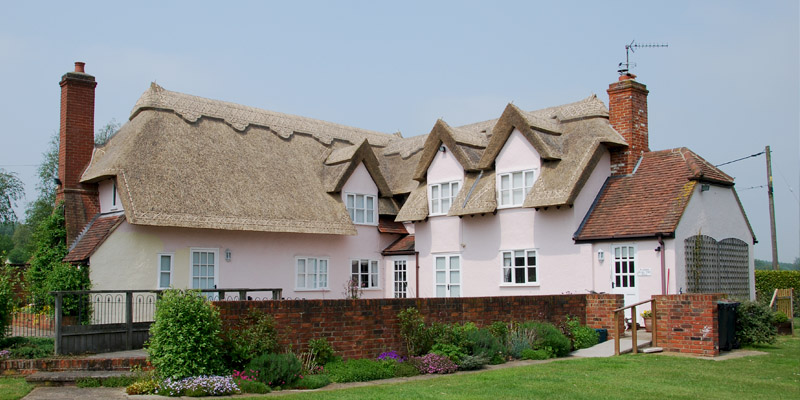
(81,201)
(627,109)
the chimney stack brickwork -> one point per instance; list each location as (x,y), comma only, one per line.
(627,109)
(81,201)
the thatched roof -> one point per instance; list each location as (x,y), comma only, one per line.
(191,162)
(570,139)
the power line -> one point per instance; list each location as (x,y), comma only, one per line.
(753,187)
(740,159)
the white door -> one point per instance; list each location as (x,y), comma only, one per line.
(204,269)
(448,276)
(623,274)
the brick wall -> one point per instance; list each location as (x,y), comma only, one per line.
(627,113)
(365,328)
(600,311)
(688,323)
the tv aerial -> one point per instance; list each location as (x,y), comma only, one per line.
(625,67)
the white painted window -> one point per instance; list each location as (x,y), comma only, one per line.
(513,187)
(519,267)
(365,273)
(448,275)
(400,279)
(205,266)
(362,208)
(164,271)
(624,267)
(312,273)
(441,197)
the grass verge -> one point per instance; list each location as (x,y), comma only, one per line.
(14,388)
(772,376)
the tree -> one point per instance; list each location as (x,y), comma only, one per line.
(11,191)
(104,134)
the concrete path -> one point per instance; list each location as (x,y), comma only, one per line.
(606,349)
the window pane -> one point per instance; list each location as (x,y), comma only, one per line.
(352,215)
(211,258)
(630,267)
(505,182)
(616,252)
(370,202)
(455,277)
(359,215)
(445,191)
(195,270)
(455,291)
(454,189)
(519,258)
(440,291)
(528,179)
(350,201)
(507,275)
(519,275)
(631,281)
(359,201)
(506,259)
(323,266)
(440,263)
(195,258)
(531,274)
(517,196)
(455,262)
(373,280)
(165,261)
(441,277)
(618,281)
(203,258)
(312,265)
(373,267)
(354,266)
(434,192)
(445,205)
(370,216)
(505,197)
(164,281)
(624,252)
(531,258)
(517,179)
(196,283)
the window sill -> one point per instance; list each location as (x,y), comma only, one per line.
(513,285)
(509,206)
(312,290)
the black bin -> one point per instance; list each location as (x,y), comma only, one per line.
(602,335)
(727,325)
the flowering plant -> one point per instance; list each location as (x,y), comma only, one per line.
(249,375)
(646,314)
(4,354)
(434,364)
(199,386)
(391,355)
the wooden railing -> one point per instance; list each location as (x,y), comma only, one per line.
(621,312)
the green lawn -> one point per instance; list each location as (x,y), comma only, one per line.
(13,388)
(772,376)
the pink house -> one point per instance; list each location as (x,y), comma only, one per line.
(200,193)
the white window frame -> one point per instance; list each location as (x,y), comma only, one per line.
(367,214)
(159,271)
(372,276)
(510,271)
(400,278)
(448,275)
(626,260)
(316,276)
(113,195)
(215,251)
(523,188)
(436,202)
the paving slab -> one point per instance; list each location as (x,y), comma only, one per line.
(606,349)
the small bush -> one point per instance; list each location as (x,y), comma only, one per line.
(583,336)
(254,334)
(88,382)
(360,370)
(499,329)
(311,382)
(780,318)
(547,335)
(276,369)
(473,362)
(6,298)
(417,336)
(434,364)
(146,386)
(198,386)
(185,337)
(451,351)
(483,343)
(405,369)
(754,324)
(252,386)
(321,350)
(531,354)
(519,339)
(28,348)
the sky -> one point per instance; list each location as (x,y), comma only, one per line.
(727,86)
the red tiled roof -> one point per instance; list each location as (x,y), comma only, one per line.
(651,201)
(93,236)
(389,225)
(404,245)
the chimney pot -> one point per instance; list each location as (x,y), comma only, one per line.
(79,67)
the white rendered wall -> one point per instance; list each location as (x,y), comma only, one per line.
(106,193)
(714,213)
(128,259)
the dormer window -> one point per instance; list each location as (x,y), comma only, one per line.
(361,208)
(441,197)
(513,187)
(114,196)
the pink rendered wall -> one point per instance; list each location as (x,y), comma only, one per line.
(562,265)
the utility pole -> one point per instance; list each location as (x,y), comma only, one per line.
(775,264)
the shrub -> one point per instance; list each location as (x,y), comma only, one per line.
(417,336)
(451,351)
(321,351)
(184,339)
(531,354)
(406,369)
(118,381)
(199,386)
(485,344)
(583,336)
(547,335)
(254,334)
(252,386)
(520,337)
(499,329)
(6,298)
(276,369)
(28,348)
(754,324)
(88,382)
(391,355)
(780,318)
(473,362)
(434,364)
(64,276)
(145,386)
(360,370)
(311,382)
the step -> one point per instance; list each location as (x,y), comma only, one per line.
(61,378)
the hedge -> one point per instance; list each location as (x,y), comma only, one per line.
(768,281)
